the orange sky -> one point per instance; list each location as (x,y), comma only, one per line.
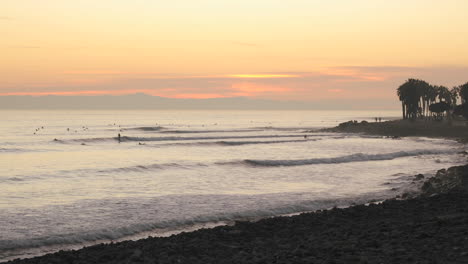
(283,50)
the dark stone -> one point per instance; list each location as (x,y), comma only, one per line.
(453,179)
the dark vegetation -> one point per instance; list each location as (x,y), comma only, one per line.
(420,99)
(422,104)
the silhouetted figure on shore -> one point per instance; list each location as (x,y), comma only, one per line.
(376,119)
(119,138)
(380,119)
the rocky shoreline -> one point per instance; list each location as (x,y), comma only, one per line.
(456,129)
(431,228)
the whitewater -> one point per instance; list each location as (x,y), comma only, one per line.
(67,182)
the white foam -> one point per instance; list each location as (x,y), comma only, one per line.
(358,157)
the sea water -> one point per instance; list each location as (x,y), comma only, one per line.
(66,181)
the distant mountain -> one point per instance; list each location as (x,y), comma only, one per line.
(144,101)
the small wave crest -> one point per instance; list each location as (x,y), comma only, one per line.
(143,168)
(157,128)
(178,138)
(209,131)
(358,157)
(86,140)
(13,150)
(10,150)
(240,143)
(128,138)
(231,143)
(12,179)
(302,129)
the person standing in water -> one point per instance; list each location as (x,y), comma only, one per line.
(118,137)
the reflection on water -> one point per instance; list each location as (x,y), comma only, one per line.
(66,180)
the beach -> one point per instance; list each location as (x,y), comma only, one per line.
(425,227)
(431,228)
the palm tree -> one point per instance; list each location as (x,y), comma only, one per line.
(402,95)
(455,94)
(431,97)
(425,99)
(417,96)
(454,98)
(410,94)
(445,95)
(463,91)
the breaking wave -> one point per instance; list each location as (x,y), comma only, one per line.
(12,179)
(303,129)
(21,150)
(132,230)
(157,128)
(209,131)
(345,159)
(12,150)
(126,138)
(230,143)
(143,168)
(173,138)
(240,143)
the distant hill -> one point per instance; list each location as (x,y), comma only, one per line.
(144,101)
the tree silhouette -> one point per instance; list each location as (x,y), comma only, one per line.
(439,108)
(444,94)
(411,96)
(463,91)
(420,99)
(461,110)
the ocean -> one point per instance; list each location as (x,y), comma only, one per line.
(67,182)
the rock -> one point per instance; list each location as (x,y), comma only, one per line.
(453,179)
(418,177)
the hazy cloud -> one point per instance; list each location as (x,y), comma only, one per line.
(438,75)
(5,18)
(371,83)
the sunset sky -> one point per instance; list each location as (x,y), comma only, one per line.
(303,50)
